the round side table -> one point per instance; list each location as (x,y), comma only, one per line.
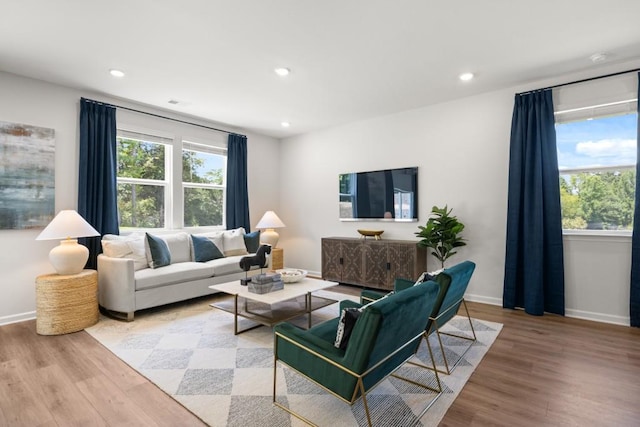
(66,304)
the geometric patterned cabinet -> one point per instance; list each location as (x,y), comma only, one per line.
(371,263)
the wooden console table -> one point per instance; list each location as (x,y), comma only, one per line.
(371,263)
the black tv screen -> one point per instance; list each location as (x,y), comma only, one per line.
(389,194)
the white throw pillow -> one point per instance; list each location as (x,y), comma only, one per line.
(179,246)
(233,242)
(129,247)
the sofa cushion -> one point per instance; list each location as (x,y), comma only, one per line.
(204,249)
(226,265)
(234,242)
(158,254)
(130,247)
(174,273)
(252,241)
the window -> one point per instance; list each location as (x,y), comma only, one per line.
(203,175)
(596,158)
(143,188)
(152,193)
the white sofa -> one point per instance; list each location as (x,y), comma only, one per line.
(127,282)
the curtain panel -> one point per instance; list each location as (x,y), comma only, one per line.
(534,264)
(97,187)
(237,210)
(634,302)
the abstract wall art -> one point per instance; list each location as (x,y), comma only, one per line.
(27,176)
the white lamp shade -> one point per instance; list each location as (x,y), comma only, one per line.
(69,257)
(67,224)
(268,222)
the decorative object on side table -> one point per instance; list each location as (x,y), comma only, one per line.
(265,283)
(292,275)
(259,259)
(441,234)
(69,257)
(268,222)
(371,233)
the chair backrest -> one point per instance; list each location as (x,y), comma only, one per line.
(451,295)
(387,325)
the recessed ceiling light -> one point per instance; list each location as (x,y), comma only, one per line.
(465,77)
(285,124)
(116,73)
(282,71)
(598,57)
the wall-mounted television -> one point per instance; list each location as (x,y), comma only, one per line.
(382,195)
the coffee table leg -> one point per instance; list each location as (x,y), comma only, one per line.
(235,316)
(308,306)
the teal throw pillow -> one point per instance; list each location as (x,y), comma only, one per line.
(252,241)
(204,249)
(160,255)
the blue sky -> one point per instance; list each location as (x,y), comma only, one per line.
(600,142)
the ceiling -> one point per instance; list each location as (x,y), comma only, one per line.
(349,59)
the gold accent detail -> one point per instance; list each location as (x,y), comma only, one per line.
(448,369)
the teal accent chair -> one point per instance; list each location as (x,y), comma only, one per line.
(386,334)
(453,284)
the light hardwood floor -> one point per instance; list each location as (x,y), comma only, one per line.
(541,371)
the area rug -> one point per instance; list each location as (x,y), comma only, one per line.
(190,352)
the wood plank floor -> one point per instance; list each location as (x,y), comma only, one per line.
(541,371)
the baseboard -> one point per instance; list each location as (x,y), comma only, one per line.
(483,299)
(15,318)
(577,314)
(598,317)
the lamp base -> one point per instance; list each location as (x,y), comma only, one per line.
(69,257)
(270,237)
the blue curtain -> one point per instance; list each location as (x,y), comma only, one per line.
(534,266)
(97,188)
(237,211)
(634,303)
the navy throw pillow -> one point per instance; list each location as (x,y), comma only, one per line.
(204,249)
(160,255)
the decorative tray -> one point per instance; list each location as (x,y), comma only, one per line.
(371,233)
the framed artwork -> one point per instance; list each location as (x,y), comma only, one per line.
(27,175)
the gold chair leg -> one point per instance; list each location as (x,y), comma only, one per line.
(444,356)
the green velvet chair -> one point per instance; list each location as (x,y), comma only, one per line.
(385,336)
(453,284)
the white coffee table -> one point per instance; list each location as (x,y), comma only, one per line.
(273,307)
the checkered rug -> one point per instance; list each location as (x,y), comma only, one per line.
(189,351)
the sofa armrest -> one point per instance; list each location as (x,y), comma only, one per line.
(116,284)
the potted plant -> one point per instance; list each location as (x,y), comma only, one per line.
(441,233)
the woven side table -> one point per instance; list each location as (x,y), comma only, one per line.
(66,304)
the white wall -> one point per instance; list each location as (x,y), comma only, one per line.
(42,104)
(462,151)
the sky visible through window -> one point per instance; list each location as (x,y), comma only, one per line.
(606,141)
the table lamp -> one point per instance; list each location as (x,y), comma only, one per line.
(69,257)
(268,222)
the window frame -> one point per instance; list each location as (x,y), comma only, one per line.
(186,145)
(174,141)
(606,112)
